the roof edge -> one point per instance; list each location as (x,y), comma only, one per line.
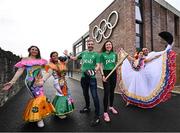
(168,6)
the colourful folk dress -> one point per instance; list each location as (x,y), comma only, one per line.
(39,106)
(62,102)
(150,83)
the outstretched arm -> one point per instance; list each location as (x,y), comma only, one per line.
(70,57)
(130,58)
(73,58)
(169,46)
(150,59)
(18,73)
(47,75)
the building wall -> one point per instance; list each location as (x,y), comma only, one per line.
(7,70)
(157,15)
(123,35)
(156,18)
(162,20)
(81,41)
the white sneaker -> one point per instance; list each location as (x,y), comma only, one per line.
(40,123)
(62,116)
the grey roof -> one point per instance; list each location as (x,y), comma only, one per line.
(80,39)
(168,6)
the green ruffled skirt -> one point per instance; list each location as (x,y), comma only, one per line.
(63,105)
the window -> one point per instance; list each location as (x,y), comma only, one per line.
(138,28)
(138,13)
(139,24)
(176,31)
(137,1)
(78,48)
(85,42)
(138,39)
(176,25)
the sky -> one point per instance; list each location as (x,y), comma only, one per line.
(52,25)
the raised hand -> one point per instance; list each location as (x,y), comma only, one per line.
(65,52)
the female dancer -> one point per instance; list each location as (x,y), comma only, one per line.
(38,107)
(62,102)
(149,80)
(139,62)
(108,60)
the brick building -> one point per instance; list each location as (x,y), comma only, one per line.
(133,24)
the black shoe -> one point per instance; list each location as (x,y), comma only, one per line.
(85,110)
(95,122)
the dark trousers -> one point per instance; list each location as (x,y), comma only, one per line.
(109,87)
(91,83)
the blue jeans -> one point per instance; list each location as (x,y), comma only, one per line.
(91,83)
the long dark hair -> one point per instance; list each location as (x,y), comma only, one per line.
(103,49)
(51,54)
(38,56)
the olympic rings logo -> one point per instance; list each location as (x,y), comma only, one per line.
(100,32)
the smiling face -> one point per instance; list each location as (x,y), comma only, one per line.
(90,45)
(33,51)
(54,57)
(145,51)
(140,54)
(108,46)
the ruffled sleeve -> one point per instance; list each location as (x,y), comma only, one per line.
(30,62)
(50,66)
(47,67)
(19,64)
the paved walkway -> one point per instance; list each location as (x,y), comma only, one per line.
(77,76)
(165,117)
